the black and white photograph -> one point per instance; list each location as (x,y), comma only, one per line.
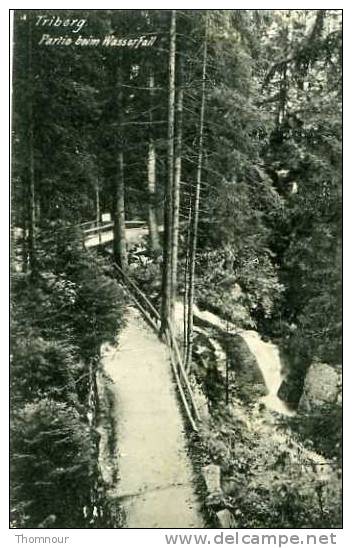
(176,271)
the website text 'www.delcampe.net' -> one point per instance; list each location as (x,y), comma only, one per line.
(239,538)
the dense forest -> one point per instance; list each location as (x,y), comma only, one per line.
(221,129)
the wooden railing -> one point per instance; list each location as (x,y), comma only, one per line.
(93,227)
(152,316)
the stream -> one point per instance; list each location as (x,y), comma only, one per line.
(267,355)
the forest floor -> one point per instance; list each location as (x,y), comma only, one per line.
(155,486)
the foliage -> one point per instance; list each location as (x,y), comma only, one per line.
(267,479)
(43,368)
(59,322)
(75,294)
(305,152)
(237,285)
(53,459)
(323,428)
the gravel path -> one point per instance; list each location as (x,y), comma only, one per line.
(156,484)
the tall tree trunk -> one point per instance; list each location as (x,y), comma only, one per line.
(31,203)
(97,208)
(185,296)
(151,171)
(195,211)
(119,245)
(176,191)
(24,234)
(283,84)
(167,254)
(31,170)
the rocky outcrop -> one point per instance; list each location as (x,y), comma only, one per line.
(322,385)
(211,335)
(249,378)
(290,390)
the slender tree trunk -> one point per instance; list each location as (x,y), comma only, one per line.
(195,210)
(283,85)
(151,171)
(227,365)
(176,192)
(31,170)
(24,235)
(167,255)
(185,296)
(119,245)
(31,203)
(97,208)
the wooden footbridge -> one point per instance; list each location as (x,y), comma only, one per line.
(102,234)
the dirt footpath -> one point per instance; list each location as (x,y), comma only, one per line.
(156,485)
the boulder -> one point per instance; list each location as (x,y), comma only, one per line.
(322,385)
(225,519)
(290,389)
(249,379)
(212,477)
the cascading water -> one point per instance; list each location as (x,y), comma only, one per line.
(268,359)
(266,354)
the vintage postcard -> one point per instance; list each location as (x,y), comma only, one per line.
(176,249)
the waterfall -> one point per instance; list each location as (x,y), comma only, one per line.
(266,354)
(268,359)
